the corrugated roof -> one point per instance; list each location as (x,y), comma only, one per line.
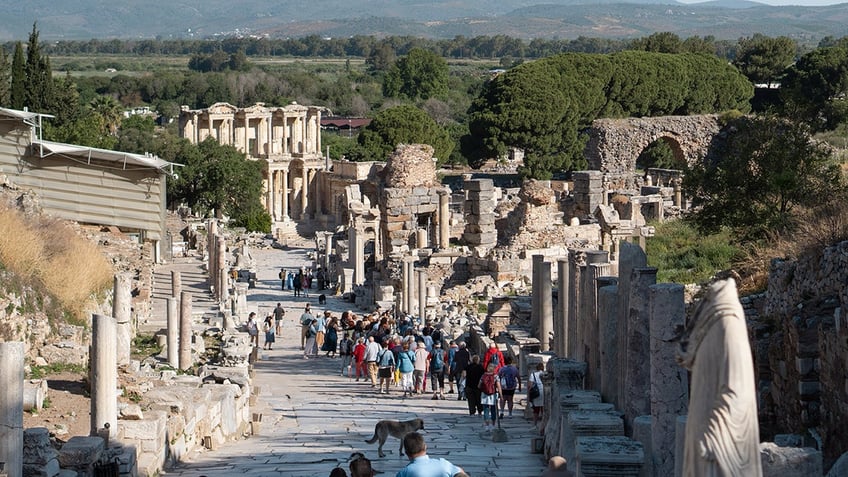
(125,159)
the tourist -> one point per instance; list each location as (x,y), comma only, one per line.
(421,465)
(557,467)
(421,361)
(371,351)
(338,472)
(361,467)
(510,379)
(304,283)
(451,371)
(290,281)
(346,352)
(359,358)
(331,336)
(460,363)
(538,403)
(473,373)
(322,329)
(253,329)
(493,355)
(279,314)
(490,389)
(311,332)
(282,276)
(406,366)
(270,330)
(438,360)
(385,367)
(305,320)
(298,282)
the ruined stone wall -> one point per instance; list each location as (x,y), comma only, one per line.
(808,348)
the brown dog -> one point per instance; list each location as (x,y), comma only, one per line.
(396,429)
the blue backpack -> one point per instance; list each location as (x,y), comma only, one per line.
(437,361)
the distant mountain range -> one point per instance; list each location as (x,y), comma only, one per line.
(566,19)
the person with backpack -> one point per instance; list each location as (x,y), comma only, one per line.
(437,358)
(473,373)
(490,389)
(346,353)
(510,379)
(406,365)
(493,355)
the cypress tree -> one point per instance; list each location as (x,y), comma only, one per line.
(39,84)
(4,78)
(17,92)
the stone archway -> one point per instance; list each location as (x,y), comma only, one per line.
(614,144)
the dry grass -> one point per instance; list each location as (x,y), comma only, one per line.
(51,257)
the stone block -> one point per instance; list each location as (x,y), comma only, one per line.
(81,452)
(478,185)
(606,456)
(150,428)
(47,469)
(785,461)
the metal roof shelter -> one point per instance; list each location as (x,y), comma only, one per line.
(85,184)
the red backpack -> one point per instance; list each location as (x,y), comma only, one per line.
(487,384)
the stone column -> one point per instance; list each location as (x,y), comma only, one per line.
(637,373)
(176,283)
(422,293)
(211,232)
(404,288)
(173,332)
(444,219)
(103,371)
(630,256)
(561,315)
(221,274)
(357,255)
(669,381)
(304,192)
(328,252)
(284,195)
(411,286)
(546,317)
(185,331)
(122,312)
(608,332)
(576,266)
(12,407)
(317,193)
(536,294)
(597,265)
(213,263)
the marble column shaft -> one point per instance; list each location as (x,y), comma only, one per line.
(359,258)
(411,287)
(669,381)
(328,252)
(444,219)
(536,294)
(637,374)
(608,331)
(576,268)
(211,248)
(176,283)
(546,317)
(103,372)
(561,316)
(173,318)
(597,266)
(284,195)
(404,288)
(12,407)
(222,285)
(422,293)
(122,312)
(185,331)
(630,256)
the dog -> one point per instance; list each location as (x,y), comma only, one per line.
(322,299)
(396,429)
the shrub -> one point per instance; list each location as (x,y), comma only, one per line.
(683,255)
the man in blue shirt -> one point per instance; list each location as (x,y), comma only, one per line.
(421,465)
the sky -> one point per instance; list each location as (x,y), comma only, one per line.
(808,3)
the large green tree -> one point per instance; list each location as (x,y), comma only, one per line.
(17,91)
(763,169)
(404,124)
(5,78)
(38,96)
(815,89)
(220,179)
(764,59)
(421,74)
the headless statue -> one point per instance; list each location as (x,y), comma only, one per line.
(722,432)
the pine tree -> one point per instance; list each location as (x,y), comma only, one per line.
(4,78)
(17,92)
(39,84)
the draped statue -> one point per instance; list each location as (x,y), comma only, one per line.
(722,432)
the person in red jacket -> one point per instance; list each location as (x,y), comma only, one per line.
(359,358)
(493,355)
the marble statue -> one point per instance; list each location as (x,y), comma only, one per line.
(722,432)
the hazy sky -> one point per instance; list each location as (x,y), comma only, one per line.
(785,2)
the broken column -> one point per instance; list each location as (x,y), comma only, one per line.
(444,218)
(12,406)
(173,332)
(480,231)
(103,372)
(546,319)
(121,311)
(605,456)
(669,381)
(535,294)
(404,288)
(221,270)
(176,284)
(412,287)
(630,256)
(185,331)
(576,267)
(328,253)
(357,255)
(597,265)
(607,337)
(561,316)
(637,373)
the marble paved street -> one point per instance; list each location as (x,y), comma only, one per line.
(313,418)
